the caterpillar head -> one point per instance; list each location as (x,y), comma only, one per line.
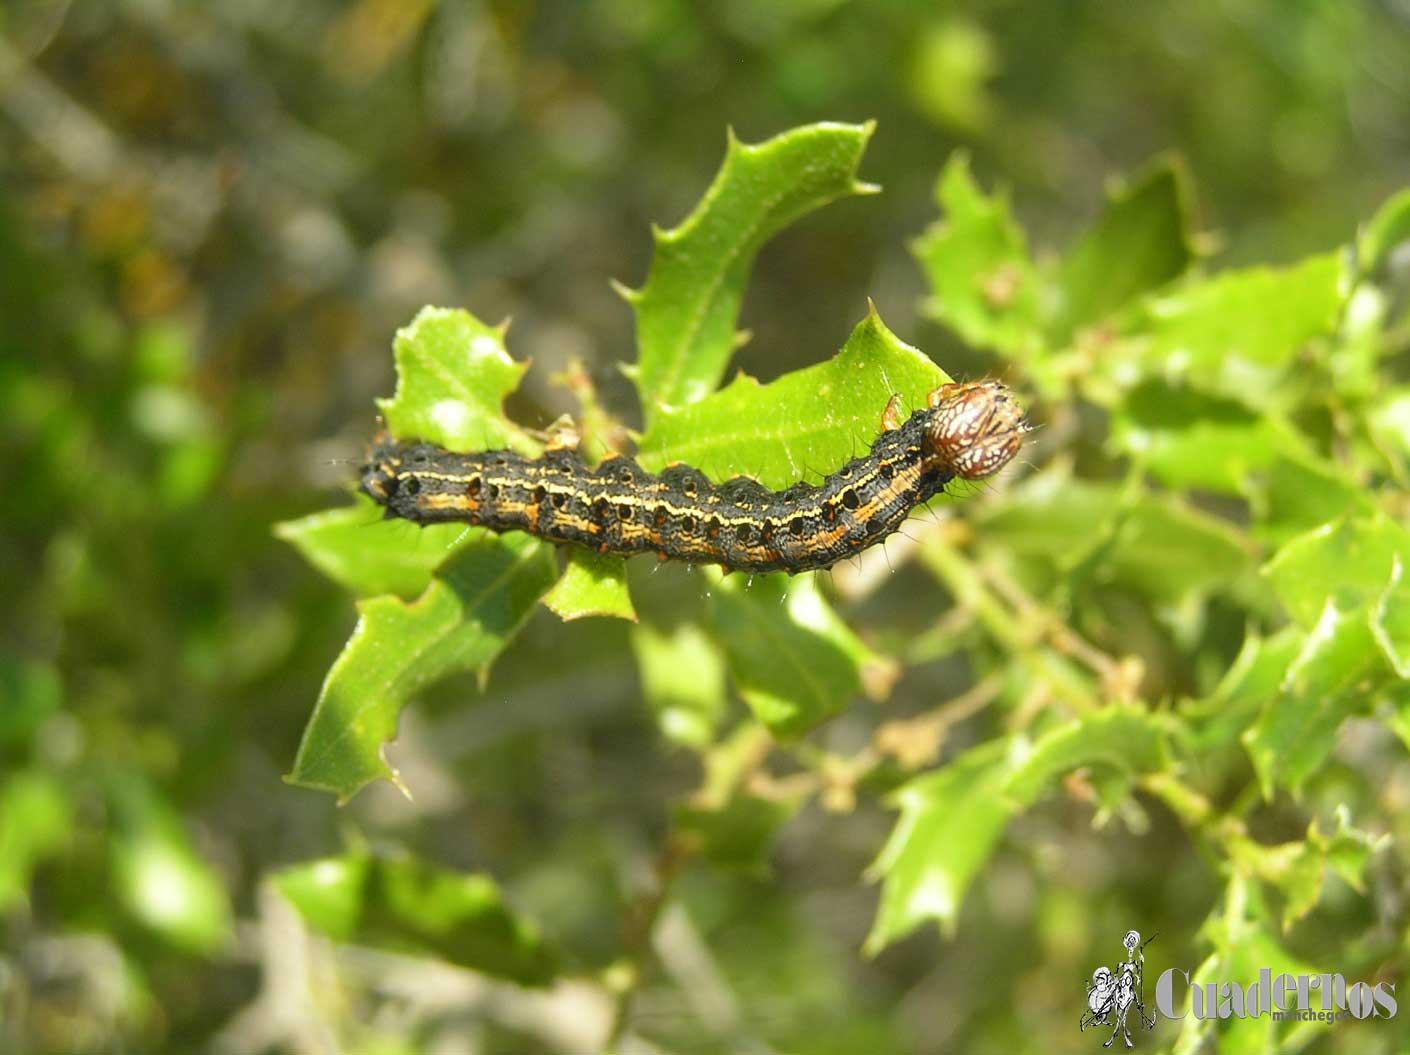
(975,428)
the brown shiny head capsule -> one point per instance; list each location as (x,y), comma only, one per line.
(976,428)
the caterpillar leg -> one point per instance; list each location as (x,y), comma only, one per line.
(563,436)
(891,416)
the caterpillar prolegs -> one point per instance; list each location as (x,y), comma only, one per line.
(967,431)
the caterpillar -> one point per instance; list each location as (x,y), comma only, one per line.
(966,431)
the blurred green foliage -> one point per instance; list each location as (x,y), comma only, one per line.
(1185,620)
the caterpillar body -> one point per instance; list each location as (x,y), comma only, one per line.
(967,431)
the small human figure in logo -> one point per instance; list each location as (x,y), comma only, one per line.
(1100,998)
(1110,998)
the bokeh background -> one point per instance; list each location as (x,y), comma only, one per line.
(213,217)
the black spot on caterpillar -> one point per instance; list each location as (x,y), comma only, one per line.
(966,431)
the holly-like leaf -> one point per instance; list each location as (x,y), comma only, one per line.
(403,904)
(367,555)
(453,373)
(793,660)
(805,424)
(687,310)
(950,821)
(1254,678)
(1349,559)
(1246,949)
(952,818)
(1141,241)
(1326,682)
(1235,334)
(1188,439)
(983,285)
(591,584)
(472,608)
(1299,492)
(1390,619)
(1299,868)
(1171,551)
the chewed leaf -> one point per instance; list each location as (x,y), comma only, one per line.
(453,373)
(983,283)
(591,585)
(803,425)
(404,904)
(471,610)
(687,311)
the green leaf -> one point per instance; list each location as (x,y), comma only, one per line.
(1298,868)
(1123,740)
(950,821)
(1255,677)
(1140,241)
(1052,515)
(952,818)
(793,660)
(160,877)
(1390,619)
(1154,543)
(1188,439)
(453,373)
(807,422)
(1245,944)
(983,284)
(1297,493)
(591,584)
(473,607)
(36,822)
(686,312)
(738,834)
(30,693)
(1235,334)
(1348,559)
(1324,684)
(363,553)
(1171,551)
(683,679)
(404,904)
(1381,234)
